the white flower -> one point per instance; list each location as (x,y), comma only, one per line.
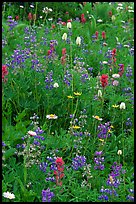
(116,76)
(99,93)
(50,19)
(99,20)
(122,105)
(131,11)
(32,133)
(115,83)
(64,36)
(8,195)
(105,62)
(56,85)
(130,7)
(120,7)
(50,9)
(51,116)
(119,152)
(32,6)
(21,6)
(69,25)
(41,17)
(78,41)
(122,21)
(126,46)
(113,18)
(120,4)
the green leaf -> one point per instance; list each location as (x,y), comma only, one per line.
(9,153)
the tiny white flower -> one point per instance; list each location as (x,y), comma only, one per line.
(32,6)
(130,7)
(50,19)
(41,17)
(64,37)
(126,46)
(8,195)
(116,76)
(120,4)
(105,62)
(78,41)
(119,152)
(131,11)
(113,18)
(122,21)
(56,85)
(99,93)
(120,7)
(51,116)
(99,20)
(21,6)
(122,106)
(32,133)
(50,9)
(69,25)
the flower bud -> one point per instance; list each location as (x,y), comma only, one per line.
(119,152)
(69,25)
(122,105)
(78,41)
(99,93)
(64,37)
(34,17)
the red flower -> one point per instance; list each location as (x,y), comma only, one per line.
(121,69)
(49,52)
(110,13)
(59,172)
(53,26)
(113,52)
(96,33)
(63,59)
(4,72)
(63,51)
(67,12)
(63,23)
(103,35)
(104,80)
(17,18)
(83,19)
(69,20)
(30,16)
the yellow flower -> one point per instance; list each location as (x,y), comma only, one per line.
(109,131)
(51,116)
(70,96)
(97,117)
(101,140)
(77,94)
(115,106)
(111,126)
(75,127)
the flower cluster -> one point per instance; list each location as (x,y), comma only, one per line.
(83,19)
(104,130)
(104,80)
(47,195)
(121,69)
(63,58)
(67,78)
(11,22)
(59,173)
(4,72)
(99,159)
(78,162)
(49,80)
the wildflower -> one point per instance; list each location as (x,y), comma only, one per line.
(64,37)
(105,62)
(110,13)
(78,41)
(64,51)
(8,195)
(115,83)
(103,35)
(121,69)
(53,26)
(47,195)
(99,159)
(21,6)
(75,127)
(83,19)
(60,169)
(32,6)
(69,25)
(77,94)
(115,76)
(119,152)
(70,96)
(122,105)
(30,16)
(96,34)
(56,85)
(17,18)
(113,18)
(78,162)
(99,20)
(51,116)
(32,133)
(104,130)
(99,93)
(115,106)
(4,72)
(97,117)
(104,80)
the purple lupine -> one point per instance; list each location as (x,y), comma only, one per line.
(43,166)
(131,51)
(3,144)
(78,162)
(49,80)
(129,72)
(67,78)
(104,130)
(99,159)
(47,195)
(11,22)
(106,193)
